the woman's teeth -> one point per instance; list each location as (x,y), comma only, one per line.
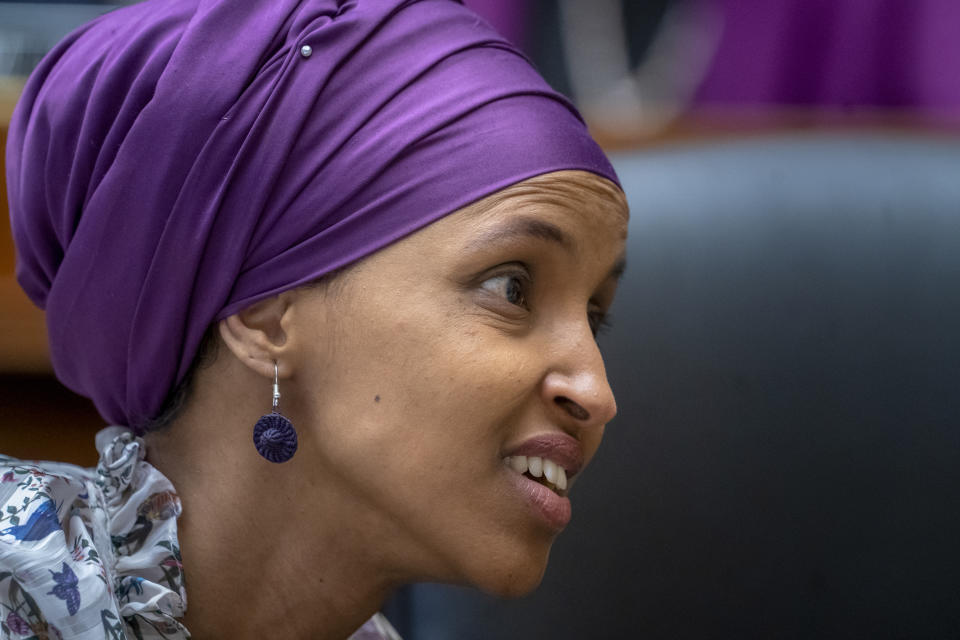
(546,472)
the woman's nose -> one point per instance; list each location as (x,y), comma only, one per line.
(577,390)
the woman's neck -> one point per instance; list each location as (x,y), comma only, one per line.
(260,560)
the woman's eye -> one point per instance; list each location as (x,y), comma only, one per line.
(509,287)
(599,322)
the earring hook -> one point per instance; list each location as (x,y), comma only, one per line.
(276,387)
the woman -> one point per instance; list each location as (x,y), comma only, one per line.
(374,214)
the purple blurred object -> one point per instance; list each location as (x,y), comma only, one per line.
(900,54)
(509,17)
(175,161)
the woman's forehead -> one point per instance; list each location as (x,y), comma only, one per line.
(557,207)
(564,188)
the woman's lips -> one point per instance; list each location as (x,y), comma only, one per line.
(559,450)
(550,508)
(563,449)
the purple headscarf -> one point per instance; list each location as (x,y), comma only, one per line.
(178,160)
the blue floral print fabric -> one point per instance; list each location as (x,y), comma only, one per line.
(93,553)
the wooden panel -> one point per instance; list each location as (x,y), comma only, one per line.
(23,332)
(39,418)
(9,91)
(716,124)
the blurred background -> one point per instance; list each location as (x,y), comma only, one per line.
(785,350)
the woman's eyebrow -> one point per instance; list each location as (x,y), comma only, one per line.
(523,227)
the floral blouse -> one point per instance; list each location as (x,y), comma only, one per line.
(93,553)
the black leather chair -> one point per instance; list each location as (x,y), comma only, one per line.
(786,356)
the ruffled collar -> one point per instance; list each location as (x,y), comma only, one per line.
(142,509)
(89,554)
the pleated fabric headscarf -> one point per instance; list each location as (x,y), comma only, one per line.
(178,160)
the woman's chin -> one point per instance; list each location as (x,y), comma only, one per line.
(516,586)
(511,579)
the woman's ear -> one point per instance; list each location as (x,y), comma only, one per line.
(256,334)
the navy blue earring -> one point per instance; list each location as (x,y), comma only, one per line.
(274,435)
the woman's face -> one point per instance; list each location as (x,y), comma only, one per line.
(437,375)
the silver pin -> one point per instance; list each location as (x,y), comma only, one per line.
(306,51)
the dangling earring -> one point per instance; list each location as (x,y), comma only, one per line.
(274,435)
